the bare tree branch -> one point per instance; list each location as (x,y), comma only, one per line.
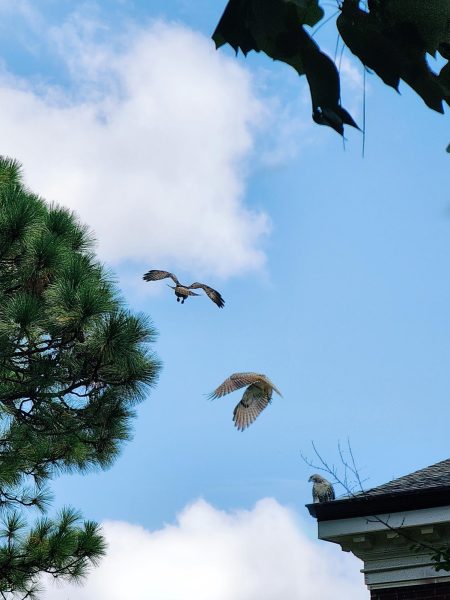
(440,555)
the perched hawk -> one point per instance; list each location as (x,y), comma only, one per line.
(255,399)
(322,489)
(184,291)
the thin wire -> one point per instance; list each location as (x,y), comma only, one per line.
(340,57)
(364,99)
(337,46)
(339,70)
(364,112)
(324,23)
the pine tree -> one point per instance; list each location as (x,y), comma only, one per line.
(73,363)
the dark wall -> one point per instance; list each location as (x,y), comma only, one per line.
(433,591)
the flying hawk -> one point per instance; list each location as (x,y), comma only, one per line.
(184,291)
(322,490)
(255,399)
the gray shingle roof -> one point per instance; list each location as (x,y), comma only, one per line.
(426,488)
(434,476)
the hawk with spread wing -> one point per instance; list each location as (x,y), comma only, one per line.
(322,490)
(255,399)
(184,291)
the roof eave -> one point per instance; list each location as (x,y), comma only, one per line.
(365,505)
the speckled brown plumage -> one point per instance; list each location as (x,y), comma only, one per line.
(184,291)
(255,399)
(322,490)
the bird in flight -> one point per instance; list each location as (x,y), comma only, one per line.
(184,291)
(322,490)
(255,399)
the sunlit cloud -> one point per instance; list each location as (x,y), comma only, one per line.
(209,554)
(148,144)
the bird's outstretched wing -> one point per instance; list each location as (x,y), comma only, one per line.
(235,382)
(155,275)
(212,294)
(254,401)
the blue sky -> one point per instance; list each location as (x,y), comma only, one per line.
(334,267)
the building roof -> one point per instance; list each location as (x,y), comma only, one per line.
(434,476)
(426,488)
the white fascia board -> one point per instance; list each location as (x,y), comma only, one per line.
(333,530)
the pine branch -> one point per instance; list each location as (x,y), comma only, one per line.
(73,362)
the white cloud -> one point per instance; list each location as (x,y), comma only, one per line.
(148,146)
(261,554)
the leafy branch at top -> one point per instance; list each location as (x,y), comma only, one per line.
(391,38)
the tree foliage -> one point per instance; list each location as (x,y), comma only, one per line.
(73,363)
(390,37)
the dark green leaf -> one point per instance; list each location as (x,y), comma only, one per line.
(308,11)
(362,34)
(429,18)
(444,80)
(324,85)
(269,26)
(393,50)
